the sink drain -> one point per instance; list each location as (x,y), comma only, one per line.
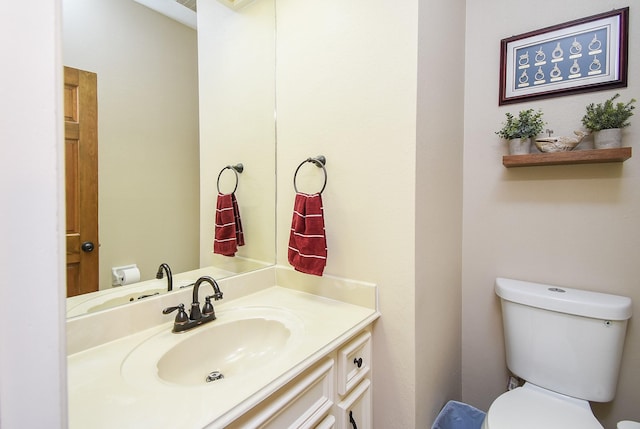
(213,376)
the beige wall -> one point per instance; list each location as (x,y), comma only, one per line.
(439,206)
(567,225)
(237,103)
(348,88)
(147,131)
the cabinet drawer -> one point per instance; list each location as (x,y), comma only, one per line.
(354,362)
(301,404)
(355,410)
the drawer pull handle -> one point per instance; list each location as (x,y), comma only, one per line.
(358,362)
(352,420)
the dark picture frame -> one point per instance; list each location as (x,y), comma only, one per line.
(587,54)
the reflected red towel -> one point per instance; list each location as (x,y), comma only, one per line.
(228,230)
(308,242)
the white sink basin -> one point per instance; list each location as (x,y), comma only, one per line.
(228,349)
(238,343)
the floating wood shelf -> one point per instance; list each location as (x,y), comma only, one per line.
(572,157)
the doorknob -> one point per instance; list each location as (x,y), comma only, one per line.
(87,246)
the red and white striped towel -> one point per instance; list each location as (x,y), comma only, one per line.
(308,242)
(228,229)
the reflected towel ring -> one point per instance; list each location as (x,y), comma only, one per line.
(238,168)
(319,161)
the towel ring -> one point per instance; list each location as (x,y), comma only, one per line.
(319,161)
(238,168)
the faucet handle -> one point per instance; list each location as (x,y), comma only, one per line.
(207,308)
(181,317)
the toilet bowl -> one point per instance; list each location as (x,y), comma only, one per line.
(628,424)
(532,407)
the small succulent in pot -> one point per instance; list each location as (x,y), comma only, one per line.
(606,121)
(608,115)
(527,124)
(519,130)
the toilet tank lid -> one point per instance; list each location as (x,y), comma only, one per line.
(565,300)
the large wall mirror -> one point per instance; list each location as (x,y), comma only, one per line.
(175,106)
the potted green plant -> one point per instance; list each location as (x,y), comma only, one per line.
(606,120)
(519,130)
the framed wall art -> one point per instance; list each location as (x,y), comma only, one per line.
(588,54)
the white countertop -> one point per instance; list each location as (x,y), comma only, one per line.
(101,397)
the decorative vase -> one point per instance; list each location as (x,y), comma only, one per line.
(519,146)
(607,139)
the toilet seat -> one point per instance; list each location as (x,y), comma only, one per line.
(532,407)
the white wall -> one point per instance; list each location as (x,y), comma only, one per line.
(147,131)
(237,103)
(567,225)
(348,88)
(32,288)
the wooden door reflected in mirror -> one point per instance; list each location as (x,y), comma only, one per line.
(81,180)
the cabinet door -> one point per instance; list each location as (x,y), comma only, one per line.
(355,410)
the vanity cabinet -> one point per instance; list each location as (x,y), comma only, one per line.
(313,371)
(334,393)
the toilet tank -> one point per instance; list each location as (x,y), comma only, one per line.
(566,340)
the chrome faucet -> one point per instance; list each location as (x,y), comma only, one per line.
(196,316)
(165,268)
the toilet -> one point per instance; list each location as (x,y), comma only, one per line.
(567,345)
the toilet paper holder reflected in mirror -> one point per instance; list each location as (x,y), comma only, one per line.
(125,275)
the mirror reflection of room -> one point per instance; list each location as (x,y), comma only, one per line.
(147,85)
(156,197)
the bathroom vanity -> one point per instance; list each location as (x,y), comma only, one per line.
(286,350)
